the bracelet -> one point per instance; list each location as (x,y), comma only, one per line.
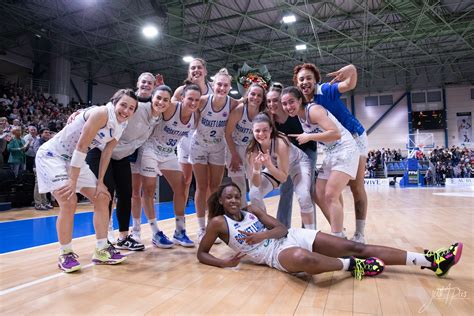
(78,159)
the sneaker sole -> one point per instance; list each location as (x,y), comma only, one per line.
(74,269)
(161,245)
(177,242)
(113,262)
(131,249)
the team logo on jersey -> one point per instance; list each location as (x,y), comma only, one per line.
(251,216)
(209,113)
(244,121)
(175,123)
(189,125)
(101,134)
(236,225)
(224,114)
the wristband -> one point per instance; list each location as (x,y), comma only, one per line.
(78,159)
(256,172)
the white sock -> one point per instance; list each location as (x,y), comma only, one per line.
(153,225)
(136,224)
(345,264)
(67,248)
(101,243)
(202,223)
(180,223)
(339,234)
(309,226)
(360,226)
(417,259)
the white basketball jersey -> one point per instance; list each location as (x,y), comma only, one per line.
(243,133)
(312,128)
(64,142)
(212,124)
(259,253)
(167,133)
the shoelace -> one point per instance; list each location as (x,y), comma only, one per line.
(68,257)
(359,269)
(437,254)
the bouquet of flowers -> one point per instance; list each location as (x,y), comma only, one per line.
(247,75)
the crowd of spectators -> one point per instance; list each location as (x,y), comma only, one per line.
(441,162)
(454,162)
(376,160)
(27,120)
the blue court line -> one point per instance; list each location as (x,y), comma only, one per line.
(27,233)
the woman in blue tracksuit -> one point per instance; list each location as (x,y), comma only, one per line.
(307,77)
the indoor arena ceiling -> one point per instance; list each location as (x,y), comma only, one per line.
(395,44)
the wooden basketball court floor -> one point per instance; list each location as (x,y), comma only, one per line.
(173,282)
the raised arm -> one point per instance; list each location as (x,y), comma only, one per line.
(346,76)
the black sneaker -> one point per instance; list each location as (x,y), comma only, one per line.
(129,244)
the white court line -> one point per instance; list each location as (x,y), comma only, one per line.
(50,277)
(461,194)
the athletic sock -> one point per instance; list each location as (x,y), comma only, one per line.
(310,226)
(67,248)
(360,226)
(136,224)
(101,243)
(202,223)
(417,259)
(154,226)
(345,264)
(339,234)
(180,223)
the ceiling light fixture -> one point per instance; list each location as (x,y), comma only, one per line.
(301,47)
(188,59)
(150,31)
(289,19)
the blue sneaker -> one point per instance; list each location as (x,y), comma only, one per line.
(161,241)
(182,239)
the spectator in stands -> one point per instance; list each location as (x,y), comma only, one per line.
(30,138)
(41,199)
(4,139)
(17,148)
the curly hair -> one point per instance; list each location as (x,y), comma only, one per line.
(307,66)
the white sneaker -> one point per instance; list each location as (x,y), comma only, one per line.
(111,237)
(358,237)
(201,234)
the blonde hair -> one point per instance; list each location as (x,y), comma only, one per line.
(223,72)
(144,74)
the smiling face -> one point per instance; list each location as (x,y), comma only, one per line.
(191,100)
(197,71)
(124,108)
(230,200)
(306,82)
(145,85)
(221,85)
(273,101)
(261,132)
(255,96)
(291,104)
(161,101)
